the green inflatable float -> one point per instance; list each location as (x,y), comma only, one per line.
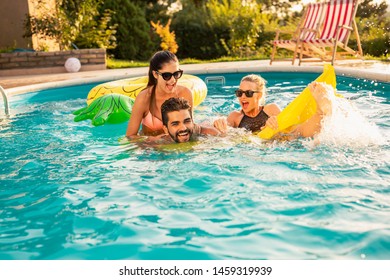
(111,108)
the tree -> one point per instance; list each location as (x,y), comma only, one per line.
(196,35)
(245,20)
(214,28)
(156,10)
(278,8)
(70,21)
(374,28)
(133,32)
(168,40)
(367,9)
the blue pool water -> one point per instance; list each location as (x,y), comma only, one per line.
(73,191)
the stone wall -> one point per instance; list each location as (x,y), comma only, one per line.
(29,63)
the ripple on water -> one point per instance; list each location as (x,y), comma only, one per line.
(73,191)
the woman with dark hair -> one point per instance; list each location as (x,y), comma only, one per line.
(164,72)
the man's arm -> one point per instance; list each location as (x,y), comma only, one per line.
(207,130)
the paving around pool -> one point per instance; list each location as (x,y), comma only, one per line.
(369,69)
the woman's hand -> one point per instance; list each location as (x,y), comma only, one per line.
(221,125)
(272,123)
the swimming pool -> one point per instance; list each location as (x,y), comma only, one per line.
(72,191)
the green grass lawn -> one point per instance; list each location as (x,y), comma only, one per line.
(118,63)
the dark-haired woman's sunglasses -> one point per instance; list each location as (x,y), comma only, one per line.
(248,93)
(167,76)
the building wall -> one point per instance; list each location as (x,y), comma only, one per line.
(13,14)
(40,42)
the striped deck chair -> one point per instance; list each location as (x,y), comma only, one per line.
(338,24)
(308,28)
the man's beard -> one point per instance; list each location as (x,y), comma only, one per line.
(176,136)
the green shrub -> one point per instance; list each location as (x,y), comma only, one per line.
(133,31)
(373,23)
(72,21)
(196,37)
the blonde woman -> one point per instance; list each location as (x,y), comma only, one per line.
(255,114)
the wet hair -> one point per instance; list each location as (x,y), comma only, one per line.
(174,104)
(260,84)
(157,62)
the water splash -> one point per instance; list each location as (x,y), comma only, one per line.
(348,127)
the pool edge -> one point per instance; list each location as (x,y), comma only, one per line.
(213,68)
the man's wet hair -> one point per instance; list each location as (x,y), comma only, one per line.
(174,104)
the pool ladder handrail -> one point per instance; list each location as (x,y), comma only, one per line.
(216,79)
(5,98)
